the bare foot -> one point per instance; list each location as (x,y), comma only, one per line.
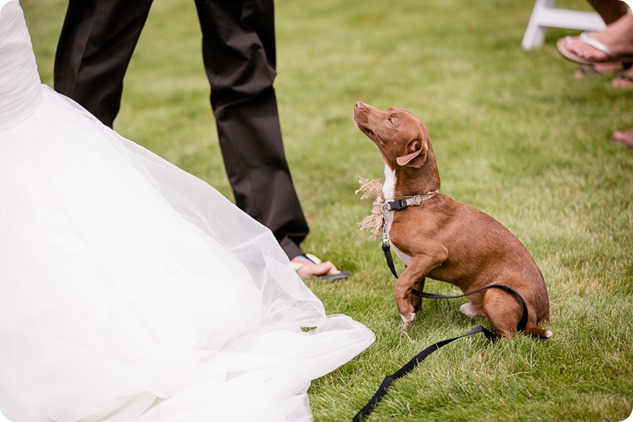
(624,137)
(624,80)
(310,266)
(617,37)
(315,270)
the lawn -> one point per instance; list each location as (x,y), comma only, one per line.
(515,136)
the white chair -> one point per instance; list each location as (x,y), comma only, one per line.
(545,15)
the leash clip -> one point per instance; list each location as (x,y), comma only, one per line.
(384,240)
(397,204)
(402,203)
(386,249)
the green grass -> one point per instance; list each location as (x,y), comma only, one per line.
(516,136)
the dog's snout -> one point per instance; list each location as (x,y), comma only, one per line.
(360,112)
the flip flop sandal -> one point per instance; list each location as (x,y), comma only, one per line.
(585,38)
(586,70)
(335,277)
(299,261)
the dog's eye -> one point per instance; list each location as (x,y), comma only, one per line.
(391,119)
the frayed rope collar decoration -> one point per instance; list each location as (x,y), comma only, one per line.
(372,188)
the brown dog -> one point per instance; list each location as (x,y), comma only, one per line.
(440,238)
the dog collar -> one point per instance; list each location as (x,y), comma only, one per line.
(402,203)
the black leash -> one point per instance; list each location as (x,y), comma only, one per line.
(386,383)
(524,315)
(382,390)
(387,251)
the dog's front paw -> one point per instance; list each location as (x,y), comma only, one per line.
(408,319)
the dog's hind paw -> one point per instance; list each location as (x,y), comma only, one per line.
(470,310)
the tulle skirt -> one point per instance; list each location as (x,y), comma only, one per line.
(132,290)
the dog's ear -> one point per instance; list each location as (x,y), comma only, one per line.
(415,149)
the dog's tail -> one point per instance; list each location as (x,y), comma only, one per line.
(537,331)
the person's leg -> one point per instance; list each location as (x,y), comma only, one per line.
(609,10)
(240,59)
(94,50)
(239,56)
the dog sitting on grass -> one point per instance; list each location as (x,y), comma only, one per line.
(438,237)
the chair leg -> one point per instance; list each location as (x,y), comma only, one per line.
(545,15)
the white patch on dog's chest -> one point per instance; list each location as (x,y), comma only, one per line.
(403,256)
(388,189)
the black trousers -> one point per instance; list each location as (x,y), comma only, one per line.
(238,47)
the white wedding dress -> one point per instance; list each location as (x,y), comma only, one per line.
(131,290)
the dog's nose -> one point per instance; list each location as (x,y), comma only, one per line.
(359,105)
